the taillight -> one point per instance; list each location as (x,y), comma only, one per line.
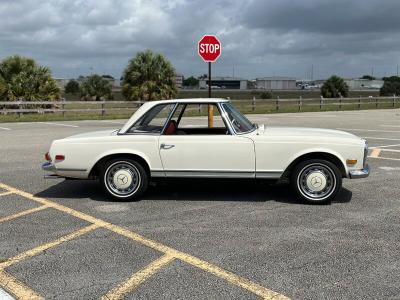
(59,157)
(47,156)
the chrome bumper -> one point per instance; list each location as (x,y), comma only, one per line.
(355,174)
(49,167)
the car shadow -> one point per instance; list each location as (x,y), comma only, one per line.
(191,190)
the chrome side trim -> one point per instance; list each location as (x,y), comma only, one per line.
(269,175)
(355,174)
(216,174)
(157,174)
(209,174)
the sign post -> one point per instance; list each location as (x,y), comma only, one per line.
(209,48)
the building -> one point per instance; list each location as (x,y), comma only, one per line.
(179,81)
(363,84)
(233,83)
(276,83)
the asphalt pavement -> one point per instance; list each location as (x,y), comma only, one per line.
(199,239)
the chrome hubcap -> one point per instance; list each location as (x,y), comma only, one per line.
(316,181)
(122,179)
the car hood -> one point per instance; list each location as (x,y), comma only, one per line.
(93,134)
(306,132)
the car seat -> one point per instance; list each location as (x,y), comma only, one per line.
(171,128)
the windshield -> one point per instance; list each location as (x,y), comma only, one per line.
(239,122)
(154,120)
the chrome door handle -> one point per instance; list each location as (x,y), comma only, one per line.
(166,147)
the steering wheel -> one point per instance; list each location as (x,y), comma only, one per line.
(236,124)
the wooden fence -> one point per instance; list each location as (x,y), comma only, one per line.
(251,105)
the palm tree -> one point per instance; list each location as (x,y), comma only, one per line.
(96,87)
(334,87)
(22,79)
(149,76)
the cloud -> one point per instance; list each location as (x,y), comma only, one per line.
(259,37)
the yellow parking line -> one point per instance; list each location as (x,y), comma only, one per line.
(386,158)
(138,278)
(41,248)
(375,153)
(17,288)
(5,193)
(208,267)
(23,213)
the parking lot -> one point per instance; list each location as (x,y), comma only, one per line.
(199,239)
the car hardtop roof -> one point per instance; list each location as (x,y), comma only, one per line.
(193,100)
(150,104)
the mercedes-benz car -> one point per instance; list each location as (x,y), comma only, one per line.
(208,138)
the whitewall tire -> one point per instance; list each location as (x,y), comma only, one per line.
(124,179)
(316,180)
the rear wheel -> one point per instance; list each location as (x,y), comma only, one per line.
(124,179)
(316,180)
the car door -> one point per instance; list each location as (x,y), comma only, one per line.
(206,153)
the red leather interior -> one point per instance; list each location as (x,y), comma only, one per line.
(171,128)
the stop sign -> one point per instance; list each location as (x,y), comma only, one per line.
(209,48)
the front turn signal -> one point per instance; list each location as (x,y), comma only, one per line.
(351,161)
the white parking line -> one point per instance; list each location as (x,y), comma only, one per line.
(379,138)
(391,150)
(58,124)
(384,146)
(113,122)
(372,130)
(390,125)
(5,128)
(385,158)
(5,296)
(390,168)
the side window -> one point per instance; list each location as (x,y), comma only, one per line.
(192,118)
(154,120)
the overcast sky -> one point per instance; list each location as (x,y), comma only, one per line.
(259,38)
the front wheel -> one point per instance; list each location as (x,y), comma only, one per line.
(316,180)
(124,179)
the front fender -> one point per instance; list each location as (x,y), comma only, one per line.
(309,151)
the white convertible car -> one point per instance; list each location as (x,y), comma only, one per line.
(173,138)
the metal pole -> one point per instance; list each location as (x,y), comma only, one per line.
(210,107)
(209,79)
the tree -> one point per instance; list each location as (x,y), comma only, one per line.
(95,87)
(266,95)
(334,87)
(149,76)
(391,86)
(21,78)
(191,81)
(368,77)
(72,87)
